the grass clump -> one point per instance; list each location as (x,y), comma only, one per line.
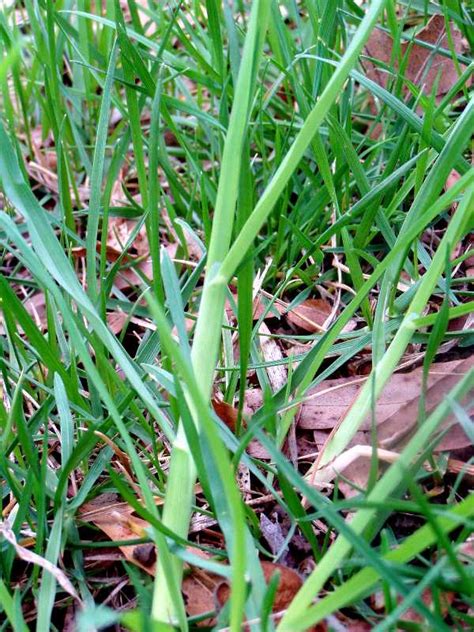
(207,204)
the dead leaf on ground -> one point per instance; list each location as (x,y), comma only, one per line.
(261,306)
(411,614)
(33,558)
(289,584)
(203,591)
(35,305)
(130,276)
(310,315)
(277,373)
(120,231)
(111,253)
(396,415)
(396,408)
(117,321)
(424,65)
(118,522)
(273,534)
(227,413)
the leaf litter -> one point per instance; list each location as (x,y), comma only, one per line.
(425,66)
(320,413)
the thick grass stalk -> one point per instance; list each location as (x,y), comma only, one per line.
(182,476)
(223,259)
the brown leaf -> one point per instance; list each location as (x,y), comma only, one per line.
(116,321)
(33,558)
(120,230)
(397,405)
(129,276)
(273,534)
(111,253)
(198,590)
(423,66)
(277,373)
(227,413)
(396,429)
(260,307)
(396,413)
(35,305)
(118,522)
(310,315)
(445,600)
(203,591)
(289,584)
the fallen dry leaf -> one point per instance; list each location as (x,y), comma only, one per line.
(203,591)
(277,373)
(310,315)
(289,584)
(227,413)
(397,406)
(445,599)
(35,305)
(396,417)
(261,306)
(111,253)
(423,66)
(33,558)
(273,534)
(116,321)
(120,230)
(118,522)
(128,277)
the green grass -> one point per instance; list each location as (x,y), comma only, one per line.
(238,137)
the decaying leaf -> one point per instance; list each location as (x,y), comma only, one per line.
(424,66)
(310,315)
(261,306)
(273,534)
(289,584)
(118,522)
(396,411)
(117,321)
(120,231)
(33,558)
(35,305)
(203,591)
(396,419)
(111,253)
(227,413)
(277,373)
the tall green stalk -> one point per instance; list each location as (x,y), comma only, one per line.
(182,475)
(224,259)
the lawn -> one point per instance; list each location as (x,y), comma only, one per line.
(236,315)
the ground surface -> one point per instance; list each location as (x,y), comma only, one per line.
(324,389)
